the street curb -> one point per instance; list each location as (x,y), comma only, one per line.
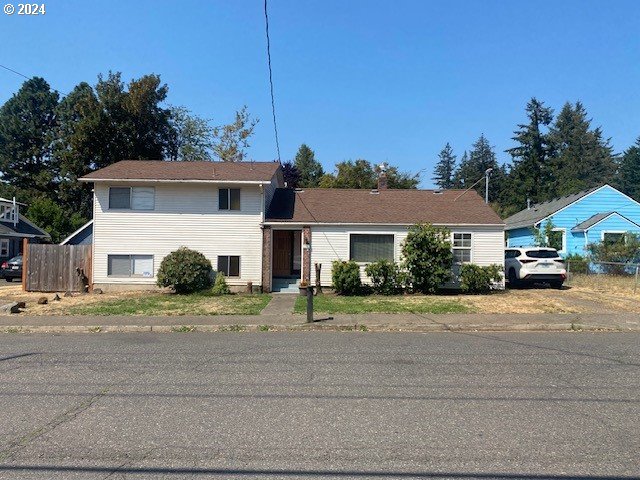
(316,327)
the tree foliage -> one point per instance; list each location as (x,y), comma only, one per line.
(291,175)
(190,138)
(361,174)
(387,278)
(445,169)
(629,171)
(427,257)
(232,141)
(310,169)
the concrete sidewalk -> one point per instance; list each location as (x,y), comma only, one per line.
(292,322)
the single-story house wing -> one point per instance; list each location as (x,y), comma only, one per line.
(14,227)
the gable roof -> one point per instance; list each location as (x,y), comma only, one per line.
(389,206)
(540,211)
(597,218)
(77,232)
(24,228)
(160,170)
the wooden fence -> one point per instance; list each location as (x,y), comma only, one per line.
(56,268)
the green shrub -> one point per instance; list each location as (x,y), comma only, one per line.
(220,286)
(346,278)
(185,271)
(614,255)
(577,263)
(427,257)
(477,279)
(387,277)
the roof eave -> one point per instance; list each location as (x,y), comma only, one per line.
(151,180)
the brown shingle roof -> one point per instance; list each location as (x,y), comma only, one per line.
(202,171)
(330,205)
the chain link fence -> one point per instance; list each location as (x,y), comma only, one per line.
(605,275)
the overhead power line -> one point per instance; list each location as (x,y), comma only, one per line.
(273,102)
(29,78)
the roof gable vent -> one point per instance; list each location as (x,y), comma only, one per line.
(374,191)
(437,192)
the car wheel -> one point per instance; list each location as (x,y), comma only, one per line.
(557,284)
(9,279)
(513,280)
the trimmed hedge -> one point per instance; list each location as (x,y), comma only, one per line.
(477,279)
(346,278)
(186,271)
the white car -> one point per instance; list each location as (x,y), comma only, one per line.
(534,265)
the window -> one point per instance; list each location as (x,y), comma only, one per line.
(4,247)
(461,248)
(610,238)
(229,265)
(229,199)
(130,266)
(512,253)
(7,213)
(556,239)
(365,247)
(132,198)
(542,253)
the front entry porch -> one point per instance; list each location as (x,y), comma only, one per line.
(286,260)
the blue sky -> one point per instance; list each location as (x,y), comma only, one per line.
(386,81)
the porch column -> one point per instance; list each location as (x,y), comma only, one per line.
(266,259)
(306,254)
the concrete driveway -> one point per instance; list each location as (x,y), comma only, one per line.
(320,405)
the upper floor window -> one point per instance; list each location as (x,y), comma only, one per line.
(132,198)
(366,247)
(7,213)
(229,199)
(462,248)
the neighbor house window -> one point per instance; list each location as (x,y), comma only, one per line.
(462,248)
(132,198)
(4,247)
(610,238)
(229,199)
(130,266)
(369,247)
(229,265)
(555,240)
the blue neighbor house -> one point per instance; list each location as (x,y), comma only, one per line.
(592,216)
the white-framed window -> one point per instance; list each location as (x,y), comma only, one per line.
(132,198)
(4,247)
(229,199)
(7,213)
(558,239)
(229,265)
(130,266)
(613,236)
(371,247)
(461,247)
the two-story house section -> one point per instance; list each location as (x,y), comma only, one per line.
(143,210)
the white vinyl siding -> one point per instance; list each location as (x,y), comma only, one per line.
(131,198)
(184,215)
(332,243)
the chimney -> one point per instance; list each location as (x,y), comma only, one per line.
(382,177)
(528,203)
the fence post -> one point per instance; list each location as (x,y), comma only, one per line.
(635,285)
(25,264)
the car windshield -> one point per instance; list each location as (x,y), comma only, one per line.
(17,259)
(542,254)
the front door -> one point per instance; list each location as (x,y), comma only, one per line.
(282,253)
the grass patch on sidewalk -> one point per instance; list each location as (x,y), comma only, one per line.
(166,304)
(382,304)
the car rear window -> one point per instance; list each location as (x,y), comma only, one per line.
(542,254)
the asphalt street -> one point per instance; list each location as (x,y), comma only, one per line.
(320,405)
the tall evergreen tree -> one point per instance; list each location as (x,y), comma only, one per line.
(310,169)
(629,171)
(27,120)
(582,158)
(530,170)
(474,165)
(445,169)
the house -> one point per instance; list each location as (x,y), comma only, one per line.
(82,236)
(240,216)
(599,214)
(14,227)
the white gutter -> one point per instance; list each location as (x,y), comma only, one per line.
(270,223)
